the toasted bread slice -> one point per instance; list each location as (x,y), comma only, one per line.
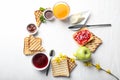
(60,69)
(91,36)
(94,44)
(40,48)
(26,47)
(71,64)
(35,44)
(37,14)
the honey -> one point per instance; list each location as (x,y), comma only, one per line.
(61,10)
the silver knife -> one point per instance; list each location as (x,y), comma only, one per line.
(81,25)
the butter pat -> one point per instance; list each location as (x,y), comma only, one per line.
(76,18)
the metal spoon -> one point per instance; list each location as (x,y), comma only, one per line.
(52,53)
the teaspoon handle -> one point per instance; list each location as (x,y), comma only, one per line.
(48,68)
(52,53)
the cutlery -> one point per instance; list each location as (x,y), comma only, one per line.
(81,25)
(52,53)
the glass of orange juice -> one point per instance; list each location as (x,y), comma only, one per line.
(61,10)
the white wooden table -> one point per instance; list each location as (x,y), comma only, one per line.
(15,15)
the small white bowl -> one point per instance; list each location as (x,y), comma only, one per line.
(46,17)
(43,68)
(32,33)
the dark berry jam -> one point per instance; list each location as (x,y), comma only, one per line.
(40,60)
(31,28)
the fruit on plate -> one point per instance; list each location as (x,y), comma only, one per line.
(83,54)
(83,36)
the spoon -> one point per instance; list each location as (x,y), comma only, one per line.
(52,53)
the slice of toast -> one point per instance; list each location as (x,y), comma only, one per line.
(60,69)
(37,14)
(71,64)
(40,48)
(26,47)
(35,44)
(94,44)
(83,28)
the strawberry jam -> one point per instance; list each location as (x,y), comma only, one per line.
(40,60)
(82,37)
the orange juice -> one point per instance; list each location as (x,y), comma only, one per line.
(61,10)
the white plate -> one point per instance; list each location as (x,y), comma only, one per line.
(84,14)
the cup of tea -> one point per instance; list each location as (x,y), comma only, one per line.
(40,61)
(61,10)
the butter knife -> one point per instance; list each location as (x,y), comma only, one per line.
(81,25)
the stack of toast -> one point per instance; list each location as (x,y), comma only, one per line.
(63,68)
(32,45)
(93,43)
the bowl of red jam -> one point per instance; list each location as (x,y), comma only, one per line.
(48,14)
(32,28)
(40,61)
